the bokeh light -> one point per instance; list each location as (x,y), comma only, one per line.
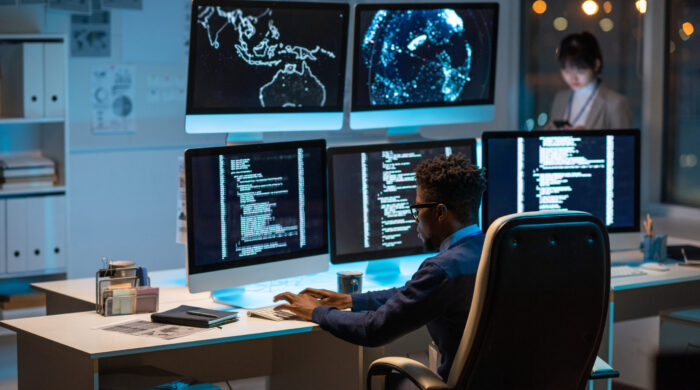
(542,119)
(641,6)
(688,160)
(607,7)
(589,7)
(688,28)
(530,124)
(606,24)
(561,23)
(539,6)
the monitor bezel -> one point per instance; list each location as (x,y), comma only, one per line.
(192,266)
(355,107)
(190,110)
(635,133)
(343,150)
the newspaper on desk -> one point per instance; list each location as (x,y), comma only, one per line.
(153,329)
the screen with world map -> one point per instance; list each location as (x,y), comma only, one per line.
(266,57)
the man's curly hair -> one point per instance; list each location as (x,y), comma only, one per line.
(455,182)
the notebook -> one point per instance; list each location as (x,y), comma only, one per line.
(195,316)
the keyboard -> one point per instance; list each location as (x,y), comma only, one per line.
(269,313)
(620,271)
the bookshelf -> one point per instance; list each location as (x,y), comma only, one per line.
(34,122)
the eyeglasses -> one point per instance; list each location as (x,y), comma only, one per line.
(416,207)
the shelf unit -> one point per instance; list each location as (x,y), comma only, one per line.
(34,220)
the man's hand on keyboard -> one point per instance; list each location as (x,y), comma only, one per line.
(329,298)
(302,305)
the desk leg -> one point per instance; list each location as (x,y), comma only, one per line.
(46,365)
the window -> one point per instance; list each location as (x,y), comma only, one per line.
(682,135)
(616,24)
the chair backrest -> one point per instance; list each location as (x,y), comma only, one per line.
(540,304)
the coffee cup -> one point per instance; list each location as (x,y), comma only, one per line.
(349,282)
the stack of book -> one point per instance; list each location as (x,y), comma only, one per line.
(24,171)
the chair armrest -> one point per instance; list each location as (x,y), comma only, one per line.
(415,371)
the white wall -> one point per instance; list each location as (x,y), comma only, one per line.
(122,188)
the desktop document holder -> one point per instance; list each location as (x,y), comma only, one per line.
(120,291)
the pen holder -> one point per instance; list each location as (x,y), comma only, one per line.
(654,247)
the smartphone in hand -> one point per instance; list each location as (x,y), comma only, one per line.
(561,123)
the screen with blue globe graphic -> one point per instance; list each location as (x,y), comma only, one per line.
(424,55)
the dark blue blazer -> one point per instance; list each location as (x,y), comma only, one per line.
(438,295)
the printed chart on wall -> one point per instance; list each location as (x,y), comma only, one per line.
(113,99)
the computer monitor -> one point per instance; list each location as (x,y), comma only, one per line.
(371,188)
(255,213)
(423,64)
(253,68)
(596,171)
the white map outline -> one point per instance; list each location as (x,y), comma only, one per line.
(267,51)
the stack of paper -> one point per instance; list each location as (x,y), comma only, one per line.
(24,171)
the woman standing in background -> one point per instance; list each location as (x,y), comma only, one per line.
(588,104)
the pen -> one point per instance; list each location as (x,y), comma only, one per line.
(685,258)
(201,314)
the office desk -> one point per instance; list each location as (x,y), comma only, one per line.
(637,297)
(631,297)
(66,349)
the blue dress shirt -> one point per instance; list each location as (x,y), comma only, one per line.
(438,295)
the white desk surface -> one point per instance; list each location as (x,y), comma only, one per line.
(77,331)
(676,273)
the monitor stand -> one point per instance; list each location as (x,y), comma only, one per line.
(403,132)
(243,138)
(242,298)
(384,271)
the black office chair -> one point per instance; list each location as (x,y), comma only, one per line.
(538,312)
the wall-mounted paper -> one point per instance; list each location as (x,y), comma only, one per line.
(181,224)
(113,99)
(166,88)
(90,35)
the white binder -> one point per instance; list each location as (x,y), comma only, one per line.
(53,79)
(38,214)
(33,79)
(16,226)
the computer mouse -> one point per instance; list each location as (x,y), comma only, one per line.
(654,266)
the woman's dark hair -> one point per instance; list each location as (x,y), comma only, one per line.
(580,51)
(454,181)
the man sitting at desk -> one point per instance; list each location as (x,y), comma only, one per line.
(439,294)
